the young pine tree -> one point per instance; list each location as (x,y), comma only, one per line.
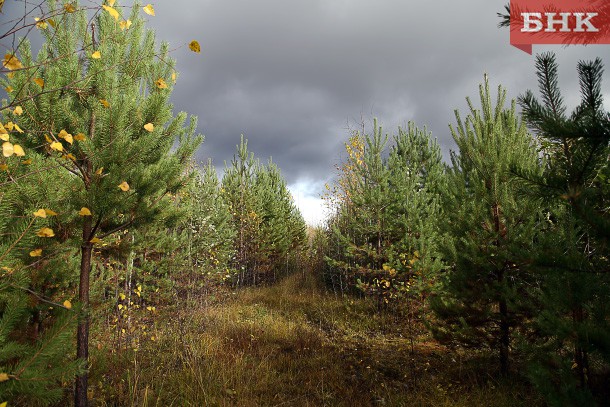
(490,222)
(573,258)
(110,129)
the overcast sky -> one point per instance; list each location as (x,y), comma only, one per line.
(293,75)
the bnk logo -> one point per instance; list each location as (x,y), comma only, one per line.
(559,22)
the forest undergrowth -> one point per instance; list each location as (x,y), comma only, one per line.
(292,344)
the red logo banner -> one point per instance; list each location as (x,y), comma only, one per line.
(559,22)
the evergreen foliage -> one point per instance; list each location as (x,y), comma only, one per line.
(383,236)
(571,352)
(490,223)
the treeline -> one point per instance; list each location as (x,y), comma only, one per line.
(103,213)
(503,250)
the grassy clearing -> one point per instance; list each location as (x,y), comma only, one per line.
(292,345)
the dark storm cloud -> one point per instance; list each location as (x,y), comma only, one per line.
(293,75)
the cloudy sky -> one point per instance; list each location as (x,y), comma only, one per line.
(294,75)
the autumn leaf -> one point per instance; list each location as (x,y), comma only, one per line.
(111,2)
(17,128)
(18,111)
(99,171)
(45,232)
(95,240)
(69,8)
(41,24)
(84,211)
(57,146)
(50,212)
(96,55)
(125,24)
(18,150)
(195,47)
(67,304)
(38,81)
(149,127)
(80,137)
(11,62)
(36,253)
(161,84)
(66,136)
(174,76)
(52,22)
(7,149)
(27,162)
(8,89)
(112,12)
(105,103)
(4,136)
(40,213)
(124,186)
(148,9)
(70,156)
(3,378)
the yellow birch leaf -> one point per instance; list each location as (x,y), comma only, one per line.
(149,127)
(7,149)
(80,137)
(70,156)
(112,12)
(123,186)
(148,9)
(17,127)
(67,304)
(3,378)
(99,171)
(68,138)
(41,24)
(195,47)
(38,81)
(174,76)
(84,211)
(18,150)
(122,296)
(48,139)
(57,146)
(69,7)
(4,403)
(27,162)
(3,167)
(96,55)
(40,213)
(45,232)
(4,136)
(36,253)
(52,22)
(95,240)
(18,111)
(8,89)
(125,24)
(50,212)
(111,2)
(10,75)
(161,84)
(105,103)
(120,307)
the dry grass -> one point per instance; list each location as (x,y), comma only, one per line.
(293,345)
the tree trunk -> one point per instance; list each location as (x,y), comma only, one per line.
(82,334)
(504,337)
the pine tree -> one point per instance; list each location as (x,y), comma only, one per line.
(110,127)
(490,223)
(573,257)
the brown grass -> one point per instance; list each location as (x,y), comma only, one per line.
(292,344)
